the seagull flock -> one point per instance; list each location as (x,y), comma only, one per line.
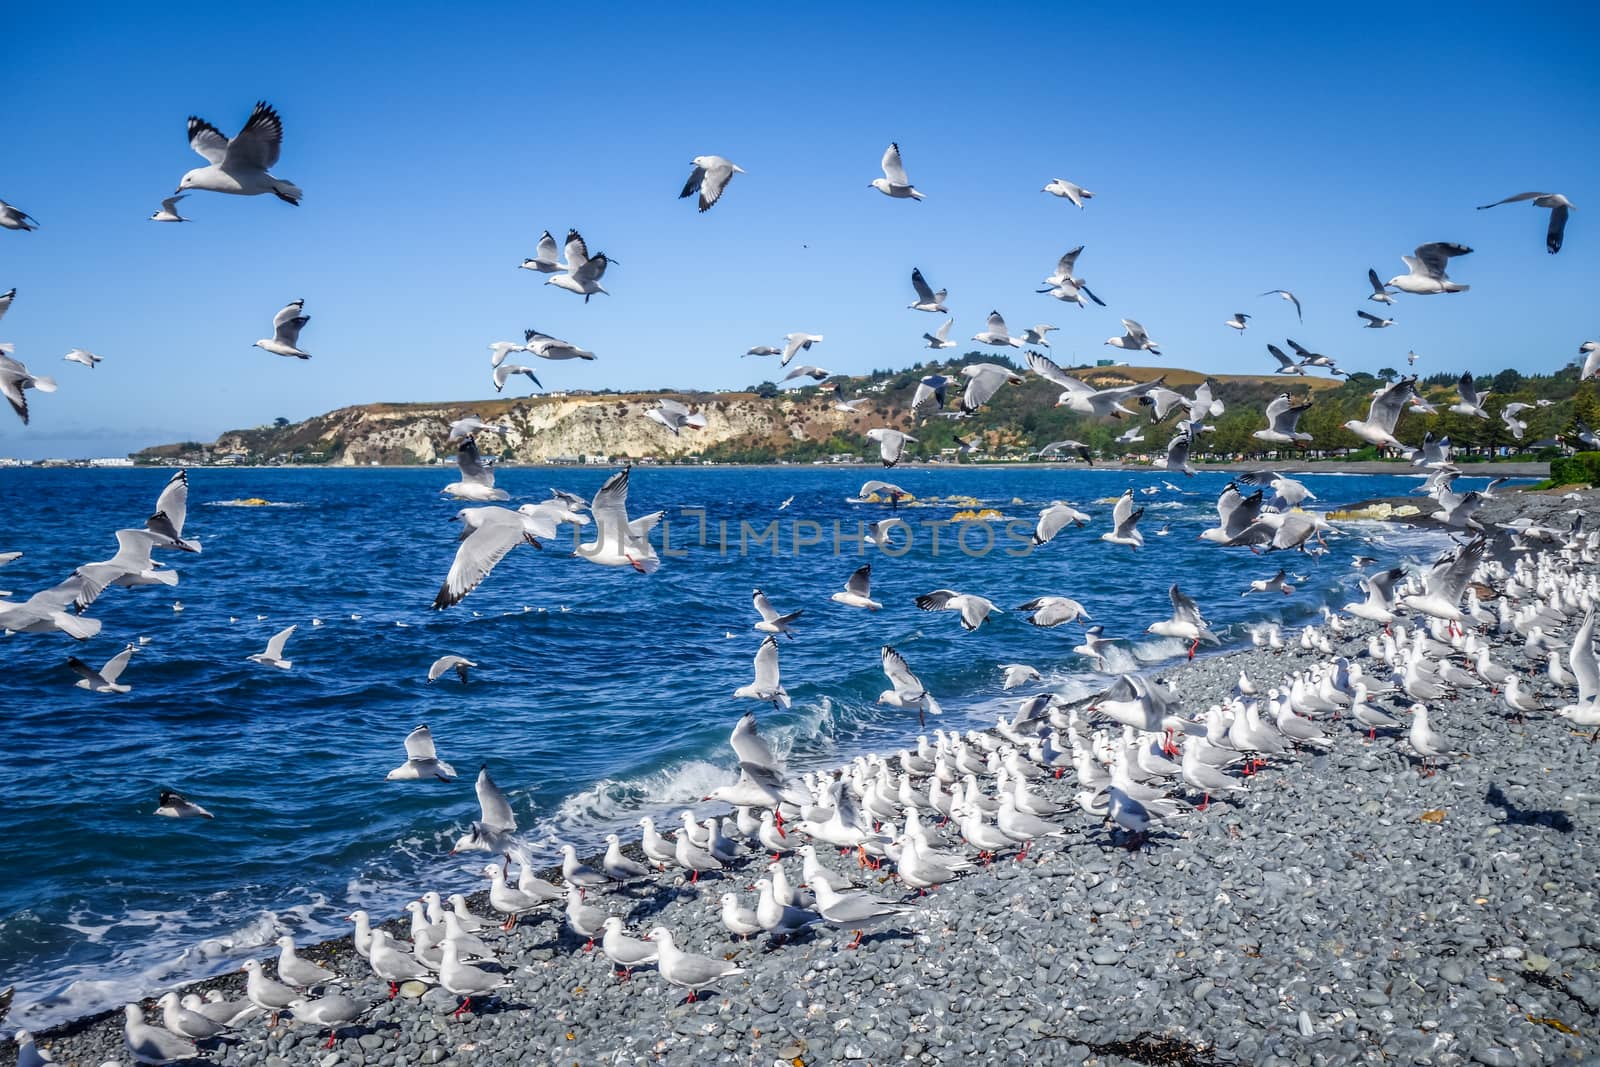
(933,812)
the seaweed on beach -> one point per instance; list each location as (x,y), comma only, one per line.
(1159,1050)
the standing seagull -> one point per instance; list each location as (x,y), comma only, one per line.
(710,176)
(286,327)
(1380,292)
(1374,322)
(14,218)
(1426,269)
(241,165)
(273,656)
(894,181)
(1559,207)
(1287,295)
(169,210)
(1068,191)
(927,299)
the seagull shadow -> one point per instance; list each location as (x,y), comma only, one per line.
(1553,819)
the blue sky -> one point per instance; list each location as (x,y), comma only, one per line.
(1231,153)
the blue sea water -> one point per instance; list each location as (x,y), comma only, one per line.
(601,694)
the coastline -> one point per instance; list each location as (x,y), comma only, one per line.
(1042,954)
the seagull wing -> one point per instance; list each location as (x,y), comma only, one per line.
(920,284)
(287,323)
(577,252)
(1387,405)
(1050,371)
(763,606)
(86,672)
(477,554)
(766,680)
(1135,331)
(749,746)
(1184,609)
(493,804)
(419,745)
(696,176)
(1377,283)
(471,463)
(893,168)
(116,665)
(997,325)
(546,252)
(899,673)
(1369,316)
(207,140)
(860,582)
(174,500)
(1512,200)
(256,146)
(1465,390)
(1067,263)
(1558,228)
(279,639)
(1434,257)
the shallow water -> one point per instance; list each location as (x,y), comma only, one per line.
(601,694)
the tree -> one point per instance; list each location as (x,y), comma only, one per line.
(1389,374)
(280,422)
(1507,381)
(766,390)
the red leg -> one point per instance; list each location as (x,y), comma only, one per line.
(330,1040)
(465,1004)
(393,989)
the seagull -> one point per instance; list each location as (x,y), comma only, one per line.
(685,969)
(546,347)
(286,327)
(5,300)
(487,534)
(1019,674)
(974,610)
(1374,322)
(583,272)
(1177,457)
(103,680)
(1125,523)
(505,370)
(150,1044)
(1034,335)
(891,443)
(772,622)
(422,760)
(1186,623)
(850,407)
(624,951)
(1051,611)
(1054,519)
(1590,350)
(1508,415)
(273,656)
(927,299)
(940,338)
(492,830)
(709,177)
(1134,339)
(894,181)
(1056,447)
(764,350)
(995,333)
(1289,297)
(1471,401)
(1559,207)
(930,389)
(302,974)
(983,381)
(1240,321)
(1380,292)
(444,663)
(14,218)
(78,355)
(477,479)
(544,257)
(1063,285)
(1068,191)
(471,424)
(1283,418)
(1382,415)
(794,342)
(240,166)
(169,210)
(464,979)
(501,349)
(766,686)
(1082,398)
(619,541)
(1426,269)
(806,370)
(1266,585)
(675,416)
(174,806)
(1290,493)
(858,590)
(1446,580)
(1425,741)
(1285,364)
(908,691)
(15,380)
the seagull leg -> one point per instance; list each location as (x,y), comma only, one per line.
(330,1040)
(857,942)
(1193,647)
(465,1004)
(393,990)
(590,946)
(1204,804)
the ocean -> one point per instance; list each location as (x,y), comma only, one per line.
(601,694)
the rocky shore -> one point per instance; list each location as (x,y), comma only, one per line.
(1342,908)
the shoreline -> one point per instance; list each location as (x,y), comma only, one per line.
(1085,852)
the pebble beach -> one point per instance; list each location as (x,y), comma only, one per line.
(1343,907)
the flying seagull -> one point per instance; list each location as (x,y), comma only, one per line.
(78,355)
(504,371)
(544,257)
(1374,322)
(477,479)
(169,210)
(1287,295)
(1559,207)
(273,656)
(983,381)
(487,535)
(103,680)
(15,379)
(894,181)
(1426,266)
(1590,351)
(174,806)
(794,342)
(1380,292)
(927,299)
(422,760)
(710,176)
(1068,191)
(675,416)
(1240,321)
(240,166)
(583,272)
(1285,364)
(552,348)
(1064,285)
(459,664)
(995,333)
(1134,339)
(5,300)
(286,327)
(1035,335)
(1283,417)
(806,370)
(891,443)
(14,218)
(940,338)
